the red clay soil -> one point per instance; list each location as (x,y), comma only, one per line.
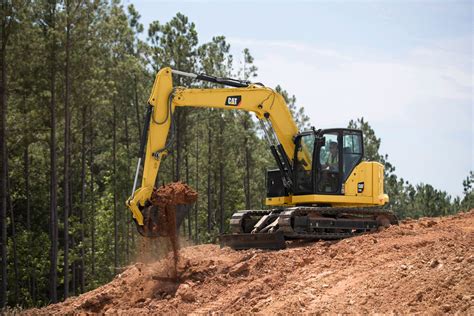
(164,201)
(420,267)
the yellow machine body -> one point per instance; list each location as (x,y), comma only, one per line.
(370,173)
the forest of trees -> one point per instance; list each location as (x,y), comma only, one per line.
(75,78)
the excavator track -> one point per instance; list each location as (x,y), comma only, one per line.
(269,229)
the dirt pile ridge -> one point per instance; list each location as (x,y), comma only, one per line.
(422,266)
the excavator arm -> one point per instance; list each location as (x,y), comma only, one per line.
(270,108)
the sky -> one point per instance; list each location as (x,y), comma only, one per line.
(405,66)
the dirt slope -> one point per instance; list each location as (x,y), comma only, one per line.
(423,266)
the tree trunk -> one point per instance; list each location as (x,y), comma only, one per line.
(137,107)
(247,158)
(73,239)
(196,229)
(221,175)
(53,189)
(190,233)
(26,175)
(73,268)
(178,145)
(114,183)
(209,186)
(4,156)
(131,223)
(92,212)
(83,199)
(92,195)
(33,288)
(129,174)
(215,197)
(248,197)
(67,127)
(13,236)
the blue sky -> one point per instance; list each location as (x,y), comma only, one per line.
(406,66)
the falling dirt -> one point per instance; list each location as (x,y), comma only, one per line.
(419,267)
(165,200)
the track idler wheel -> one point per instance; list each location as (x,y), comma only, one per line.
(385,221)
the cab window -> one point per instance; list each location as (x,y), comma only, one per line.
(327,180)
(304,164)
(329,154)
(352,152)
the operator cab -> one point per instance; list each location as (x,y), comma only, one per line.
(322,162)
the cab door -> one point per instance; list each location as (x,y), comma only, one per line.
(328,179)
(304,164)
(352,151)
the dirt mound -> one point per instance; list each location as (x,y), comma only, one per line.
(422,266)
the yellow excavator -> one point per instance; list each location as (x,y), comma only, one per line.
(321,189)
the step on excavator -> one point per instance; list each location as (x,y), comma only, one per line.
(322,188)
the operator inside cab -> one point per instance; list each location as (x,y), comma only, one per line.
(332,161)
(328,181)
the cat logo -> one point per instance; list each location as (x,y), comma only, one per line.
(233,100)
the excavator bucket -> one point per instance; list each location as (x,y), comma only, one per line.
(242,241)
(166,210)
(158,222)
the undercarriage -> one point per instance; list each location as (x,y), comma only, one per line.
(270,229)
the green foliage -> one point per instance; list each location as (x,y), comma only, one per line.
(174,43)
(112,71)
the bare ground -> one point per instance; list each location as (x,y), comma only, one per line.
(424,266)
